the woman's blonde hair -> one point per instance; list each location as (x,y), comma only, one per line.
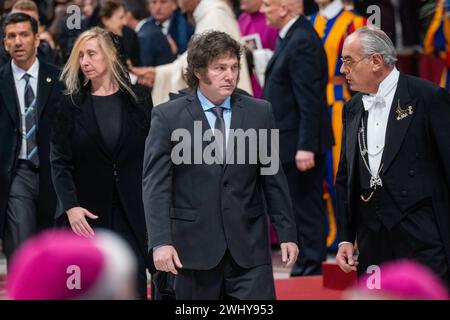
(72,75)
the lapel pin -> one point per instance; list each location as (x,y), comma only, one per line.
(48,79)
(403,113)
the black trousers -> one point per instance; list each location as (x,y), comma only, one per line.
(306,189)
(121,225)
(415,237)
(227,281)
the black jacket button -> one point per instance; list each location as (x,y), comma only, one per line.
(411,173)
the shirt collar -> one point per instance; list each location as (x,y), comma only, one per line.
(166,24)
(140,24)
(19,72)
(207,104)
(389,83)
(332,10)
(283,31)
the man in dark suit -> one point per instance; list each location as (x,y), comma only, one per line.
(206,221)
(29,90)
(168,17)
(296,79)
(153,45)
(393,178)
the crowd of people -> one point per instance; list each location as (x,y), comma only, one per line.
(94,93)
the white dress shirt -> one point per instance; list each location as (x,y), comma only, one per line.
(20,82)
(165,27)
(379,106)
(283,31)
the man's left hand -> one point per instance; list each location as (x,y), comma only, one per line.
(304,160)
(289,253)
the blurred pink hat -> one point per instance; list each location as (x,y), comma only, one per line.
(59,265)
(403,279)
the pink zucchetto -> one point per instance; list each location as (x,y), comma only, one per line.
(59,265)
(401,280)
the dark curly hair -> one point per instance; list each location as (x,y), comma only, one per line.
(205,48)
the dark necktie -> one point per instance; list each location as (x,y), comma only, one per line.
(30,121)
(220,126)
(278,43)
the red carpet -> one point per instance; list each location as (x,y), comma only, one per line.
(305,288)
(330,286)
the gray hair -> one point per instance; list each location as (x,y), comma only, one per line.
(374,40)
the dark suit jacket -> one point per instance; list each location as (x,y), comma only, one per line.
(154,48)
(131,46)
(295,84)
(180,30)
(415,160)
(48,93)
(85,174)
(204,209)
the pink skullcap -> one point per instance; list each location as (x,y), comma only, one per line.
(42,268)
(405,279)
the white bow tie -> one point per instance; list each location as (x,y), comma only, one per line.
(371,101)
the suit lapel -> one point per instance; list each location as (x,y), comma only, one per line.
(45,83)
(283,44)
(237,117)
(198,115)
(7,85)
(397,127)
(354,119)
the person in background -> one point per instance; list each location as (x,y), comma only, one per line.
(333,23)
(112,18)
(59,28)
(97,147)
(29,7)
(154,47)
(166,15)
(295,85)
(253,22)
(208,15)
(437,43)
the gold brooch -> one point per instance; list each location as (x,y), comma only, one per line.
(403,113)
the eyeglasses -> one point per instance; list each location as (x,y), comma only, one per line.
(350,63)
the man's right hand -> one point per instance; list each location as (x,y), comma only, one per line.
(166,259)
(345,258)
(78,223)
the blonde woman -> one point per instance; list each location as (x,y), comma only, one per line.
(97,146)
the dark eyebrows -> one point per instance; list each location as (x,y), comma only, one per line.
(13,33)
